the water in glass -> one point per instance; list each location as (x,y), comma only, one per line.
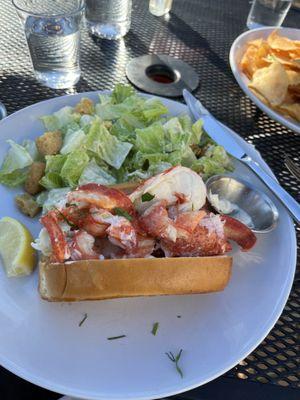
(160,7)
(53,38)
(267,13)
(109,19)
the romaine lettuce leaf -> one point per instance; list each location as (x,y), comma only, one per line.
(106,146)
(13,179)
(153,109)
(55,163)
(110,112)
(124,128)
(16,158)
(197,131)
(86,120)
(151,139)
(120,93)
(185,122)
(60,119)
(73,167)
(215,161)
(72,140)
(95,174)
(52,180)
(31,148)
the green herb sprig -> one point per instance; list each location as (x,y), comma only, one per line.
(155,328)
(175,360)
(147,197)
(83,319)
(116,337)
(65,218)
(122,213)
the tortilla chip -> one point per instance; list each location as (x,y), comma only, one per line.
(293,110)
(285,60)
(278,42)
(248,64)
(256,42)
(271,82)
(293,77)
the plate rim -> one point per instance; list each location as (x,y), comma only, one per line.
(61,389)
(294,126)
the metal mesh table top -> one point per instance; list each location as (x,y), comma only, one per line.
(201,34)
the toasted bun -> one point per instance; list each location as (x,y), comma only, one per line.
(106,279)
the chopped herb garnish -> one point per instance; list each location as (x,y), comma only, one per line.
(147,197)
(116,337)
(83,319)
(65,218)
(122,213)
(175,360)
(155,328)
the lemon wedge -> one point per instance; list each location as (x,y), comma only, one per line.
(15,247)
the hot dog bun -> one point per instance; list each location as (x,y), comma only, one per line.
(106,279)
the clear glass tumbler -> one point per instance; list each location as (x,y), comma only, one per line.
(268,13)
(52,30)
(108,19)
(160,7)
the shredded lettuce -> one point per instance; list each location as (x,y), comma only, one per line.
(31,148)
(95,174)
(17,157)
(215,161)
(120,93)
(106,146)
(127,137)
(13,171)
(52,178)
(58,119)
(151,139)
(13,179)
(72,140)
(73,167)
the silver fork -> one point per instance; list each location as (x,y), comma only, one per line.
(292,167)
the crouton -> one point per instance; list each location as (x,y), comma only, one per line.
(49,143)
(27,205)
(85,106)
(35,173)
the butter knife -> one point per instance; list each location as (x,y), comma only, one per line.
(221,135)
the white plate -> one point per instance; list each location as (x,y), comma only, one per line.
(43,343)
(236,52)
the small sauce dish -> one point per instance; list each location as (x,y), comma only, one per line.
(242,201)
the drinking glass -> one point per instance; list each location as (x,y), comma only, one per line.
(108,19)
(160,7)
(52,30)
(268,13)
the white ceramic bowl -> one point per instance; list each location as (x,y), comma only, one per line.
(236,52)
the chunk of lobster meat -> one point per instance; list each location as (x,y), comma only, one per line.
(82,246)
(93,194)
(155,222)
(238,232)
(143,249)
(177,185)
(207,239)
(93,227)
(74,215)
(122,233)
(189,220)
(60,248)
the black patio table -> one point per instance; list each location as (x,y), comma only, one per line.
(199,32)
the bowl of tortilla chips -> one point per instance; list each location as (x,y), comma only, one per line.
(266,65)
